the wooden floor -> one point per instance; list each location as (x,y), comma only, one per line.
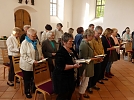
(120,87)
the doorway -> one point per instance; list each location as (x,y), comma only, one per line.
(21,18)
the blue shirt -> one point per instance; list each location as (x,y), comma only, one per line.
(77,41)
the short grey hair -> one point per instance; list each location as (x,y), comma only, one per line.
(88,33)
(26,26)
(66,36)
(31,31)
(49,34)
(98,28)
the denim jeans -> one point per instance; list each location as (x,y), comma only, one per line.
(108,67)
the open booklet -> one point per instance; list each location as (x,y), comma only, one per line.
(42,60)
(116,47)
(103,55)
(83,61)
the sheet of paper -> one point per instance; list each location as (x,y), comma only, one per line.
(42,60)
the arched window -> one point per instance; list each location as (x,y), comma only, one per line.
(100,5)
(53,7)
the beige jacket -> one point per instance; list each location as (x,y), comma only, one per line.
(12,46)
(27,55)
(58,34)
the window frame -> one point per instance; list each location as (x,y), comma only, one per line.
(101,5)
(53,8)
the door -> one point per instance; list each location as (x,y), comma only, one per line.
(22,18)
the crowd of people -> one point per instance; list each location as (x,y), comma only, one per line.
(65,49)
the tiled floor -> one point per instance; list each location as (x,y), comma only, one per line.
(120,87)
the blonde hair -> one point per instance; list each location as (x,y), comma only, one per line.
(31,31)
(107,32)
(16,30)
(88,33)
(114,29)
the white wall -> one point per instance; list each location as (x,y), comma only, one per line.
(67,16)
(40,15)
(83,13)
(119,14)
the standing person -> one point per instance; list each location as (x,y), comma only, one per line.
(70,31)
(108,51)
(63,75)
(49,50)
(31,53)
(97,46)
(114,53)
(13,46)
(78,38)
(132,46)
(127,36)
(91,27)
(25,28)
(116,41)
(44,34)
(87,70)
(58,33)
(125,30)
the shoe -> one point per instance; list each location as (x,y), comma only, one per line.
(90,91)
(17,81)
(108,75)
(105,79)
(86,96)
(96,88)
(28,95)
(100,82)
(111,74)
(10,83)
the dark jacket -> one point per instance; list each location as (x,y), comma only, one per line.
(133,40)
(114,55)
(47,51)
(63,79)
(105,45)
(47,48)
(22,37)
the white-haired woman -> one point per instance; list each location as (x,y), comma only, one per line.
(31,53)
(49,49)
(25,28)
(13,45)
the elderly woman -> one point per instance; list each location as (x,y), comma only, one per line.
(63,75)
(49,49)
(87,70)
(30,54)
(13,46)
